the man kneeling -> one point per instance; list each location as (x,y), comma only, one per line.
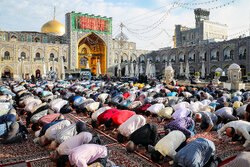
(84,155)
(168,145)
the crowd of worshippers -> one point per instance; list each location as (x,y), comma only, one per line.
(122,109)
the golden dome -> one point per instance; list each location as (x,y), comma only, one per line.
(54,27)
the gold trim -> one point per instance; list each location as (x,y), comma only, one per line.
(93,59)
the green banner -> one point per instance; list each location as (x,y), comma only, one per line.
(90,23)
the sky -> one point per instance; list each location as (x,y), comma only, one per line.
(149,23)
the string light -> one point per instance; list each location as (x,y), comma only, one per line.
(212,8)
(239,33)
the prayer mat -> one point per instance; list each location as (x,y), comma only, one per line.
(118,153)
(121,157)
(27,150)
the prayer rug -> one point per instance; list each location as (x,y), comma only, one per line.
(27,150)
(33,155)
(118,153)
(121,157)
(44,162)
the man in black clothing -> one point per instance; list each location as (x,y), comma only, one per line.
(150,137)
(33,79)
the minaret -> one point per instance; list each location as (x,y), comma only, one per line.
(200,15)
(54,13)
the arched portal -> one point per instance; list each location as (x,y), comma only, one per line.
(7,72)
(92,48)
(38,73)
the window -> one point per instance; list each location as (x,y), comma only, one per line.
(217,55)
(121,59)
(232,54)
(37,39)
(23,55)
(51,56)
(64,59)
(244,54)
(4,37)
(181,58)
(172,58)
(22,38)
(229,55)
(29,39)
(191,57)
(38,56)
(183,38)
(7,55)
(44,40)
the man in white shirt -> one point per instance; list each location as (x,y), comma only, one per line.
(128,127)
(155,108)
(32,104)
(57,104)
(98,112)
(86,154)
(181,105)
(168,145)
(73,142)
(237,129)
(51,132)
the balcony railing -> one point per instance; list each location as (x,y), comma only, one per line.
(7,59)
(191,60)
(181,60)
(214,59)
(38,59)
(227,57)
(242,57)
(55,59)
